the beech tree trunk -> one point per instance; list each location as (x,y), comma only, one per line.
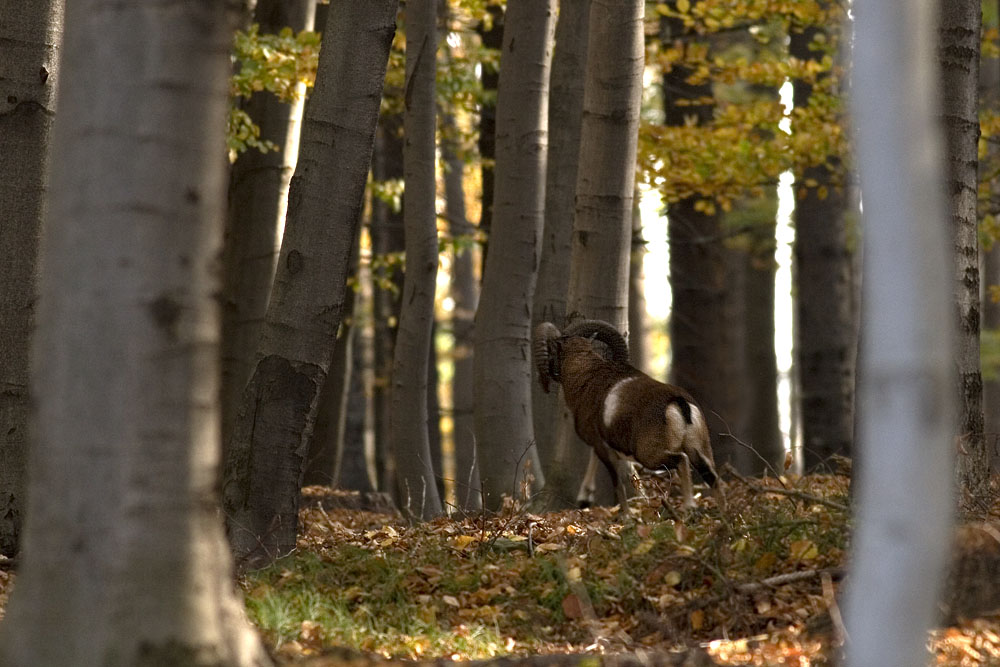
(763,430)
(271,435)
(491,35)
(258,197)
(408,418)
(30,34)
(904,498)
(959,46)
(697,276)
(569,65)
(826,344)
(388,240)
(327,441)
(638,318)
(502,362)
(465,294)
(124,557)
(602,226)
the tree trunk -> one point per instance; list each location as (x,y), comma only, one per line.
(327,440)
(826,346)
(388,240)
(959,45)
(602,226)
(491,36)
(465,295)
(31,34)
(758,392)
(904,498)
(258,195)
(126,357)
(352,470)
(697,276)
(408,417)
(569,64)
(278,408)
(502,362)
(638,318)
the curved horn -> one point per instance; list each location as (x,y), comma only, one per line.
(543,349)
(603,332)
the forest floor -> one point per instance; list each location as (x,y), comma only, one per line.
(755,582)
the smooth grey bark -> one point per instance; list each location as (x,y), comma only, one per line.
(826,338)
(124,555)
(569,65)
(408,418)
(958,56)
(502,358)
(30,35)
(271,434)
(907,406)
(605,188)
(638,318)
(387,239)
(258,195)
(465,294)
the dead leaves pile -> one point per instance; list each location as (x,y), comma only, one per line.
(611,580)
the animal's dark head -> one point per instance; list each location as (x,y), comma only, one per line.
(550,346)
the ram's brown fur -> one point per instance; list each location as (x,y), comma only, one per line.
(658,425)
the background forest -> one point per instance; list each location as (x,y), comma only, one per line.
(411,190)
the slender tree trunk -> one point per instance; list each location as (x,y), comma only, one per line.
(352,468)
(732,401)
(697,275)
(569,65)
(278,409)
(491,35)
(465,295)
(408,419)
(30,34)
(959,44)
(761,428)
(434,434)
(126,357)
(907,402)
(638,318)
(387,240)
(258,194)
(827,342)
(602,226)
(327,440)
(502,362)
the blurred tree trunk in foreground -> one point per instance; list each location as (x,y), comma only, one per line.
(904,495)
(124,558)
(31,34)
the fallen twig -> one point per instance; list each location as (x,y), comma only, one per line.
(789,578)
(791,493)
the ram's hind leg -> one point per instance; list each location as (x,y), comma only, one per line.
(680,462)
(588,488)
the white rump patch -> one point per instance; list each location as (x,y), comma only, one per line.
(696,419)
(613,400)
(676,425)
